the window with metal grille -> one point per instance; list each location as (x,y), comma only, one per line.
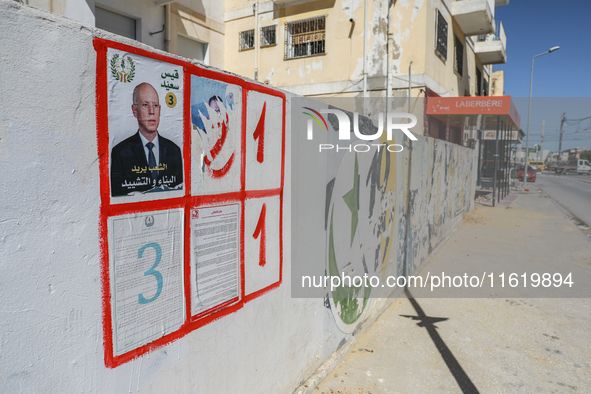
(246,39)
(459,55)
(305,38)
(485,89)
(441,44)
(268,36)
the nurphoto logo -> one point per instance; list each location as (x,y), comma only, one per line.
(345,129)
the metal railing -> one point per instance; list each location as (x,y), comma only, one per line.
(498,35)
(246,40)
(305,38)
(268,35)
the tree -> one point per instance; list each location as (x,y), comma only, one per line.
(586,155)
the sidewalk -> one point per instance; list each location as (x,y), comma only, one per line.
(486,345)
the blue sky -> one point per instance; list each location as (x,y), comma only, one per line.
(532,27)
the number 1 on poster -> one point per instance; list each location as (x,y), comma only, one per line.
(262,231)
(259,134)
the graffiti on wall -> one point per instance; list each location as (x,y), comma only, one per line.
(216,122)
(213,145)
(441,192)
(366,215)
(360,230)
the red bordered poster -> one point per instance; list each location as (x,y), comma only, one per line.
(192,168)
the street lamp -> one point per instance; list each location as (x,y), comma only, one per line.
(531,82)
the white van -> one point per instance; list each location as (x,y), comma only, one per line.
(583,167)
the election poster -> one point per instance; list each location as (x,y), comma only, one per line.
(145,123)
(146,274)
(216,133)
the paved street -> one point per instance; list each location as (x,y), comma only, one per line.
(504,343)
(573,192)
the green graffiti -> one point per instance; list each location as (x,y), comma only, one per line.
(345,298)
(352,201)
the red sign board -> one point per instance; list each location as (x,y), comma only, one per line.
(481,105)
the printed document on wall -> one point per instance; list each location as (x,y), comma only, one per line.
(216,257)
(146,251)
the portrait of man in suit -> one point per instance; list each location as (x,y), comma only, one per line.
(146,161)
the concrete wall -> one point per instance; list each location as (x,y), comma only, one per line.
(442,178)
(51,258)
(498,83)
(442,189)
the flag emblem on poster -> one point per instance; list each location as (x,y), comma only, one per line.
(149,221)
(122,69)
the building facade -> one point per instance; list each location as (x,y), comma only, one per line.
(378,48)
(189,28)
(325,48)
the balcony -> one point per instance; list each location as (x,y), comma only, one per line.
(474,16)
(289,3)
(491,48)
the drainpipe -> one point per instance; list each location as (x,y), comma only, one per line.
(388,71)
(256,42)
(167,27)
(496,156)
(409,84)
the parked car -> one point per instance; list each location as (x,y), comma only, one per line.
(539,165)
(531,173)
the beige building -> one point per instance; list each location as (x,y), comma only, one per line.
(325,48)
(190,28)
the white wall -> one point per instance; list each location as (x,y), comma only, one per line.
(52,337)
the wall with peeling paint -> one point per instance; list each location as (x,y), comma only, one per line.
(374,238)
(339,72)
(442,190)
(52,335)
(342,64)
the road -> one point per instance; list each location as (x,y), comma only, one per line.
(573,192)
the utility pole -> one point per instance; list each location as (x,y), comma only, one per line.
(562,120)
(542,148)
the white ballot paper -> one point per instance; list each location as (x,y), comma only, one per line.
(146,254)
(216,257)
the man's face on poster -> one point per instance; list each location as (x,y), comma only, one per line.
(147,109)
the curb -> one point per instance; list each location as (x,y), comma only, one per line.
(309,385)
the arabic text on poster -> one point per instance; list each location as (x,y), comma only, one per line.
(216,269)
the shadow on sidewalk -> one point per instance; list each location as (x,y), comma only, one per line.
(452,363)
